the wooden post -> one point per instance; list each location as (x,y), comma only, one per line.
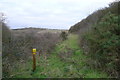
(34,59)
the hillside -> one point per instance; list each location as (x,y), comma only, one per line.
(24,31)
(94,18)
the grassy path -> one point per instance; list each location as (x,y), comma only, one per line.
(66,61)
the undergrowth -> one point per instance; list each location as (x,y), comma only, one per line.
(66,61)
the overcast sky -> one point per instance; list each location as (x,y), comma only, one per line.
(55,14)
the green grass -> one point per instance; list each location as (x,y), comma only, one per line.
(56,67)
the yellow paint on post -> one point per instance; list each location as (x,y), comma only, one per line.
(34,50)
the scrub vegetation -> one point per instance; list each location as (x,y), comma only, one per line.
(89,49)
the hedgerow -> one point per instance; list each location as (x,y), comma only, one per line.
(103,41)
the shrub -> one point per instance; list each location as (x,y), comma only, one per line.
(64,35)
(104,43)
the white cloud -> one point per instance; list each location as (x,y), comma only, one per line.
(47,13)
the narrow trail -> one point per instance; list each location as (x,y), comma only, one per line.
(66,61)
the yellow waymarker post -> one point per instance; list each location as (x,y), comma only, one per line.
(34,59)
